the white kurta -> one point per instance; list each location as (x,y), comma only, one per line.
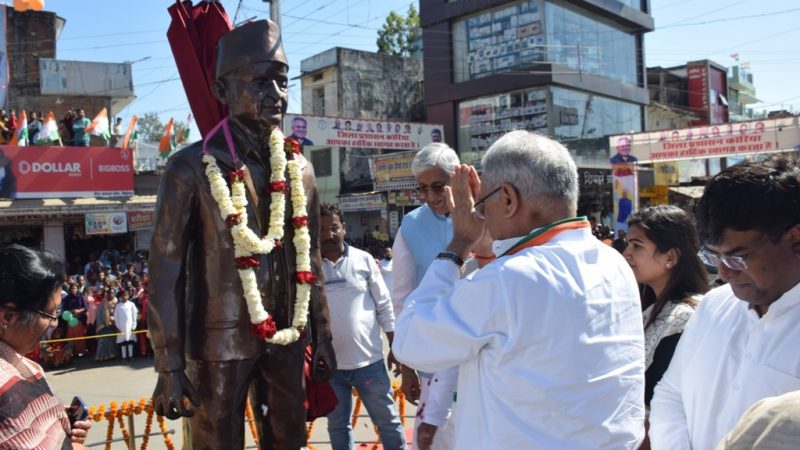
(549,344)
(727,359)
(125,320)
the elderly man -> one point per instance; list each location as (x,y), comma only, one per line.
(741,344)
(216,302)
(425,232)
(547,338)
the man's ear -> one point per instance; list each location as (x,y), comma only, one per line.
(220,90)
(793,235)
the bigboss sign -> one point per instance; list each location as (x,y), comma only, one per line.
(59,172)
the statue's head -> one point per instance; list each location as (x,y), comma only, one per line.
(252,75)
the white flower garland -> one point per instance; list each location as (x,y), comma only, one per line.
(233,209)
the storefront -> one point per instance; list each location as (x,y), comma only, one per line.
(366,218)
(73,202)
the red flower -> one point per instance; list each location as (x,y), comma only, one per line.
(233,219)
(246,262)
(278,243)
(303,335)
(291,145)
(278,186)
(306,277)
(236,175)
(300,221)
(265,329)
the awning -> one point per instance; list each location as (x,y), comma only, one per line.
(689,191)
(71,206)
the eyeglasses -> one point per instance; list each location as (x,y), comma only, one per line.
(738,263)
(53,318)
(436,188)
(480,203)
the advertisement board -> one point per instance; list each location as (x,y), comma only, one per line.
(65,172)
(366,202)
(140,220)
(712,141)
(363,133)
(106,223)
(393,172)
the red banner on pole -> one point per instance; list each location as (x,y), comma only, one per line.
(59,172)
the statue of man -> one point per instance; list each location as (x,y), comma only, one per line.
(205,347)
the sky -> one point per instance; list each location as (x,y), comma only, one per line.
(765,34)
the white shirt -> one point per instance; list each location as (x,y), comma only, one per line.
(358,302)
(727,359)
(386,272)
(549,344)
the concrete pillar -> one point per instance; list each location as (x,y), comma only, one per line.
(54,236)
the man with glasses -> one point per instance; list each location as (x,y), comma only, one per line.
(741,344)
(423,233)
(547,338)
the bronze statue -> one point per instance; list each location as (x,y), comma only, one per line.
(201,328)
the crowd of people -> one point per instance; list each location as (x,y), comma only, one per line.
(71,128)
(512,322)
(107,297)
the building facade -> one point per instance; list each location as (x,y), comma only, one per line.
(361,89)
(68,218)
(572,70)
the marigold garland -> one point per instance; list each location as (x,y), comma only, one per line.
(232,203)
(248,413)
(163,426)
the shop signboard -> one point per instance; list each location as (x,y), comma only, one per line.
(106,223)
(367,202)
(361,133)
(712,141)
(66,172)
(393,171)
(140,220)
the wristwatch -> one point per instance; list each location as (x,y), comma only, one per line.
(451,256)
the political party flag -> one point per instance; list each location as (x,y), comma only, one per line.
(99,126)
(129,133)
(21,133)
(166,145)
(49,131)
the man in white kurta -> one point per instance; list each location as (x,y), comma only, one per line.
(742,343)
(548,338)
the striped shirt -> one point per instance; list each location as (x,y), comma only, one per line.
(31,417)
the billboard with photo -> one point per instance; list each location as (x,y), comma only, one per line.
(106,223)
(65,172)
(61,77)
(361,133)
(712,141)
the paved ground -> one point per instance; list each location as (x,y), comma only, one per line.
(101,383)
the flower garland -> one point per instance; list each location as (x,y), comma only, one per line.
(232,204)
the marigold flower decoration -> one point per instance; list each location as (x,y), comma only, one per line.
(232,203)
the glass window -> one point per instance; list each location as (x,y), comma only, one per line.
(483,120)
(588,45)
(498,40)
(580,120)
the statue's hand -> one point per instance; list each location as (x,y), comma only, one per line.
(168,397)
(323,360)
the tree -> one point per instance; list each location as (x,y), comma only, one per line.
(149,128)
(400,35)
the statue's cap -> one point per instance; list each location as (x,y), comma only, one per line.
(251,43)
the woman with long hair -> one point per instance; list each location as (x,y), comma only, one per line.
(662,251)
